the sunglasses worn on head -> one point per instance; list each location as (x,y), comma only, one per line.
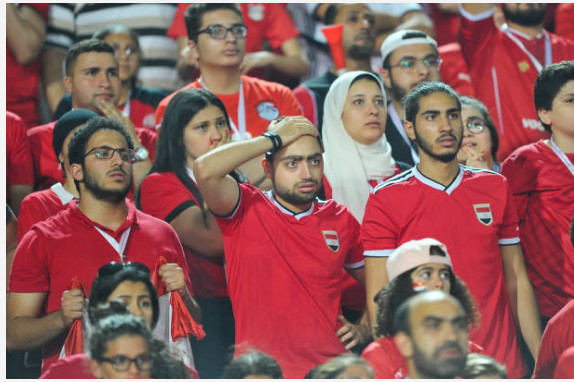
(113,268)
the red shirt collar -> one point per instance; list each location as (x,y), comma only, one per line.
(87,222)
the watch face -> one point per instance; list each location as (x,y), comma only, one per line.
(142,154)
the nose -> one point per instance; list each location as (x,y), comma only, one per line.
(229,36)
(135,309)
(104,80)
(305,171)
(437,283)
(133,371)
(422,70)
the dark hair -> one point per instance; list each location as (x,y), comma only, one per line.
(110,276)
(400,289)
(366,76)
(481,365)
(80,138)
(171,153)
(112,327)
(335,366)
(549,83)
(252,363)
(112,29)
(194,16)
(472,102)
(85,46)
(412,99)
(406,36)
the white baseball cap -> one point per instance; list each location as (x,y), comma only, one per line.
(413,254)
(401,38)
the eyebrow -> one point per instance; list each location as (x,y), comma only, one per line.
(299,157)
(442,319)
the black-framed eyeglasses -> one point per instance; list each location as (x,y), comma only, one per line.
(107,152)
(475,125)
(219,32)
(409,64)
(121,363)
(114,267)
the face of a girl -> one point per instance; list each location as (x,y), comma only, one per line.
(481,142)
(207,130)
(127,53)
(365,114)
(137,297)
(432,276)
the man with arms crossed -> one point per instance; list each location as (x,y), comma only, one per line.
(471,211)
(285,250)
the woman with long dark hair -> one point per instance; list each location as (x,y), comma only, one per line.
(194,123)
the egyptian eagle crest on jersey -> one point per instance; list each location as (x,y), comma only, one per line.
(332,240)
(483,213)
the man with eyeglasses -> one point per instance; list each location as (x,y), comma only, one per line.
(504,62)
(99,228)
(92,79)
(471,211)
(217,39)
(410,57)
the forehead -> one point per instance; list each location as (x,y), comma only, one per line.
(567,88)
(445,309)
(353,9)
(304,146)
(471,111)
(413,50)
(96,59)
(131,287)
(434,266)
(437,101)
(107,137)
(127,344)
(220,16)
(208,112)
(365,84)
(118,38)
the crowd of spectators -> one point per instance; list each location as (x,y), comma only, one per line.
(306,190)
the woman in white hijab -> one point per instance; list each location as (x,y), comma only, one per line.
(357,154)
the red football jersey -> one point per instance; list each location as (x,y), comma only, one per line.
(19,167)
(543,189)
(558,336)
(472,217)
(285,274)
(264,102)
(503,75)
(164,196)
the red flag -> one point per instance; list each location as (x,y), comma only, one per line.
(75,340)
(182,323)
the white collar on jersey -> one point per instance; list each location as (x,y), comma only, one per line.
(63,194)
(286,211)
(191,175)
(431,183)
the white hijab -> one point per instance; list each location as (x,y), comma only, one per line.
(349,165)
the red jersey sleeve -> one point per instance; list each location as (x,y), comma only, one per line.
(163,197)
(178,28)
(279,26)
(308,103)
(379,230)
(19,165)
(508,231)
(289,105)
(520,180)
(476,33)
(355,258)
(29,272)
